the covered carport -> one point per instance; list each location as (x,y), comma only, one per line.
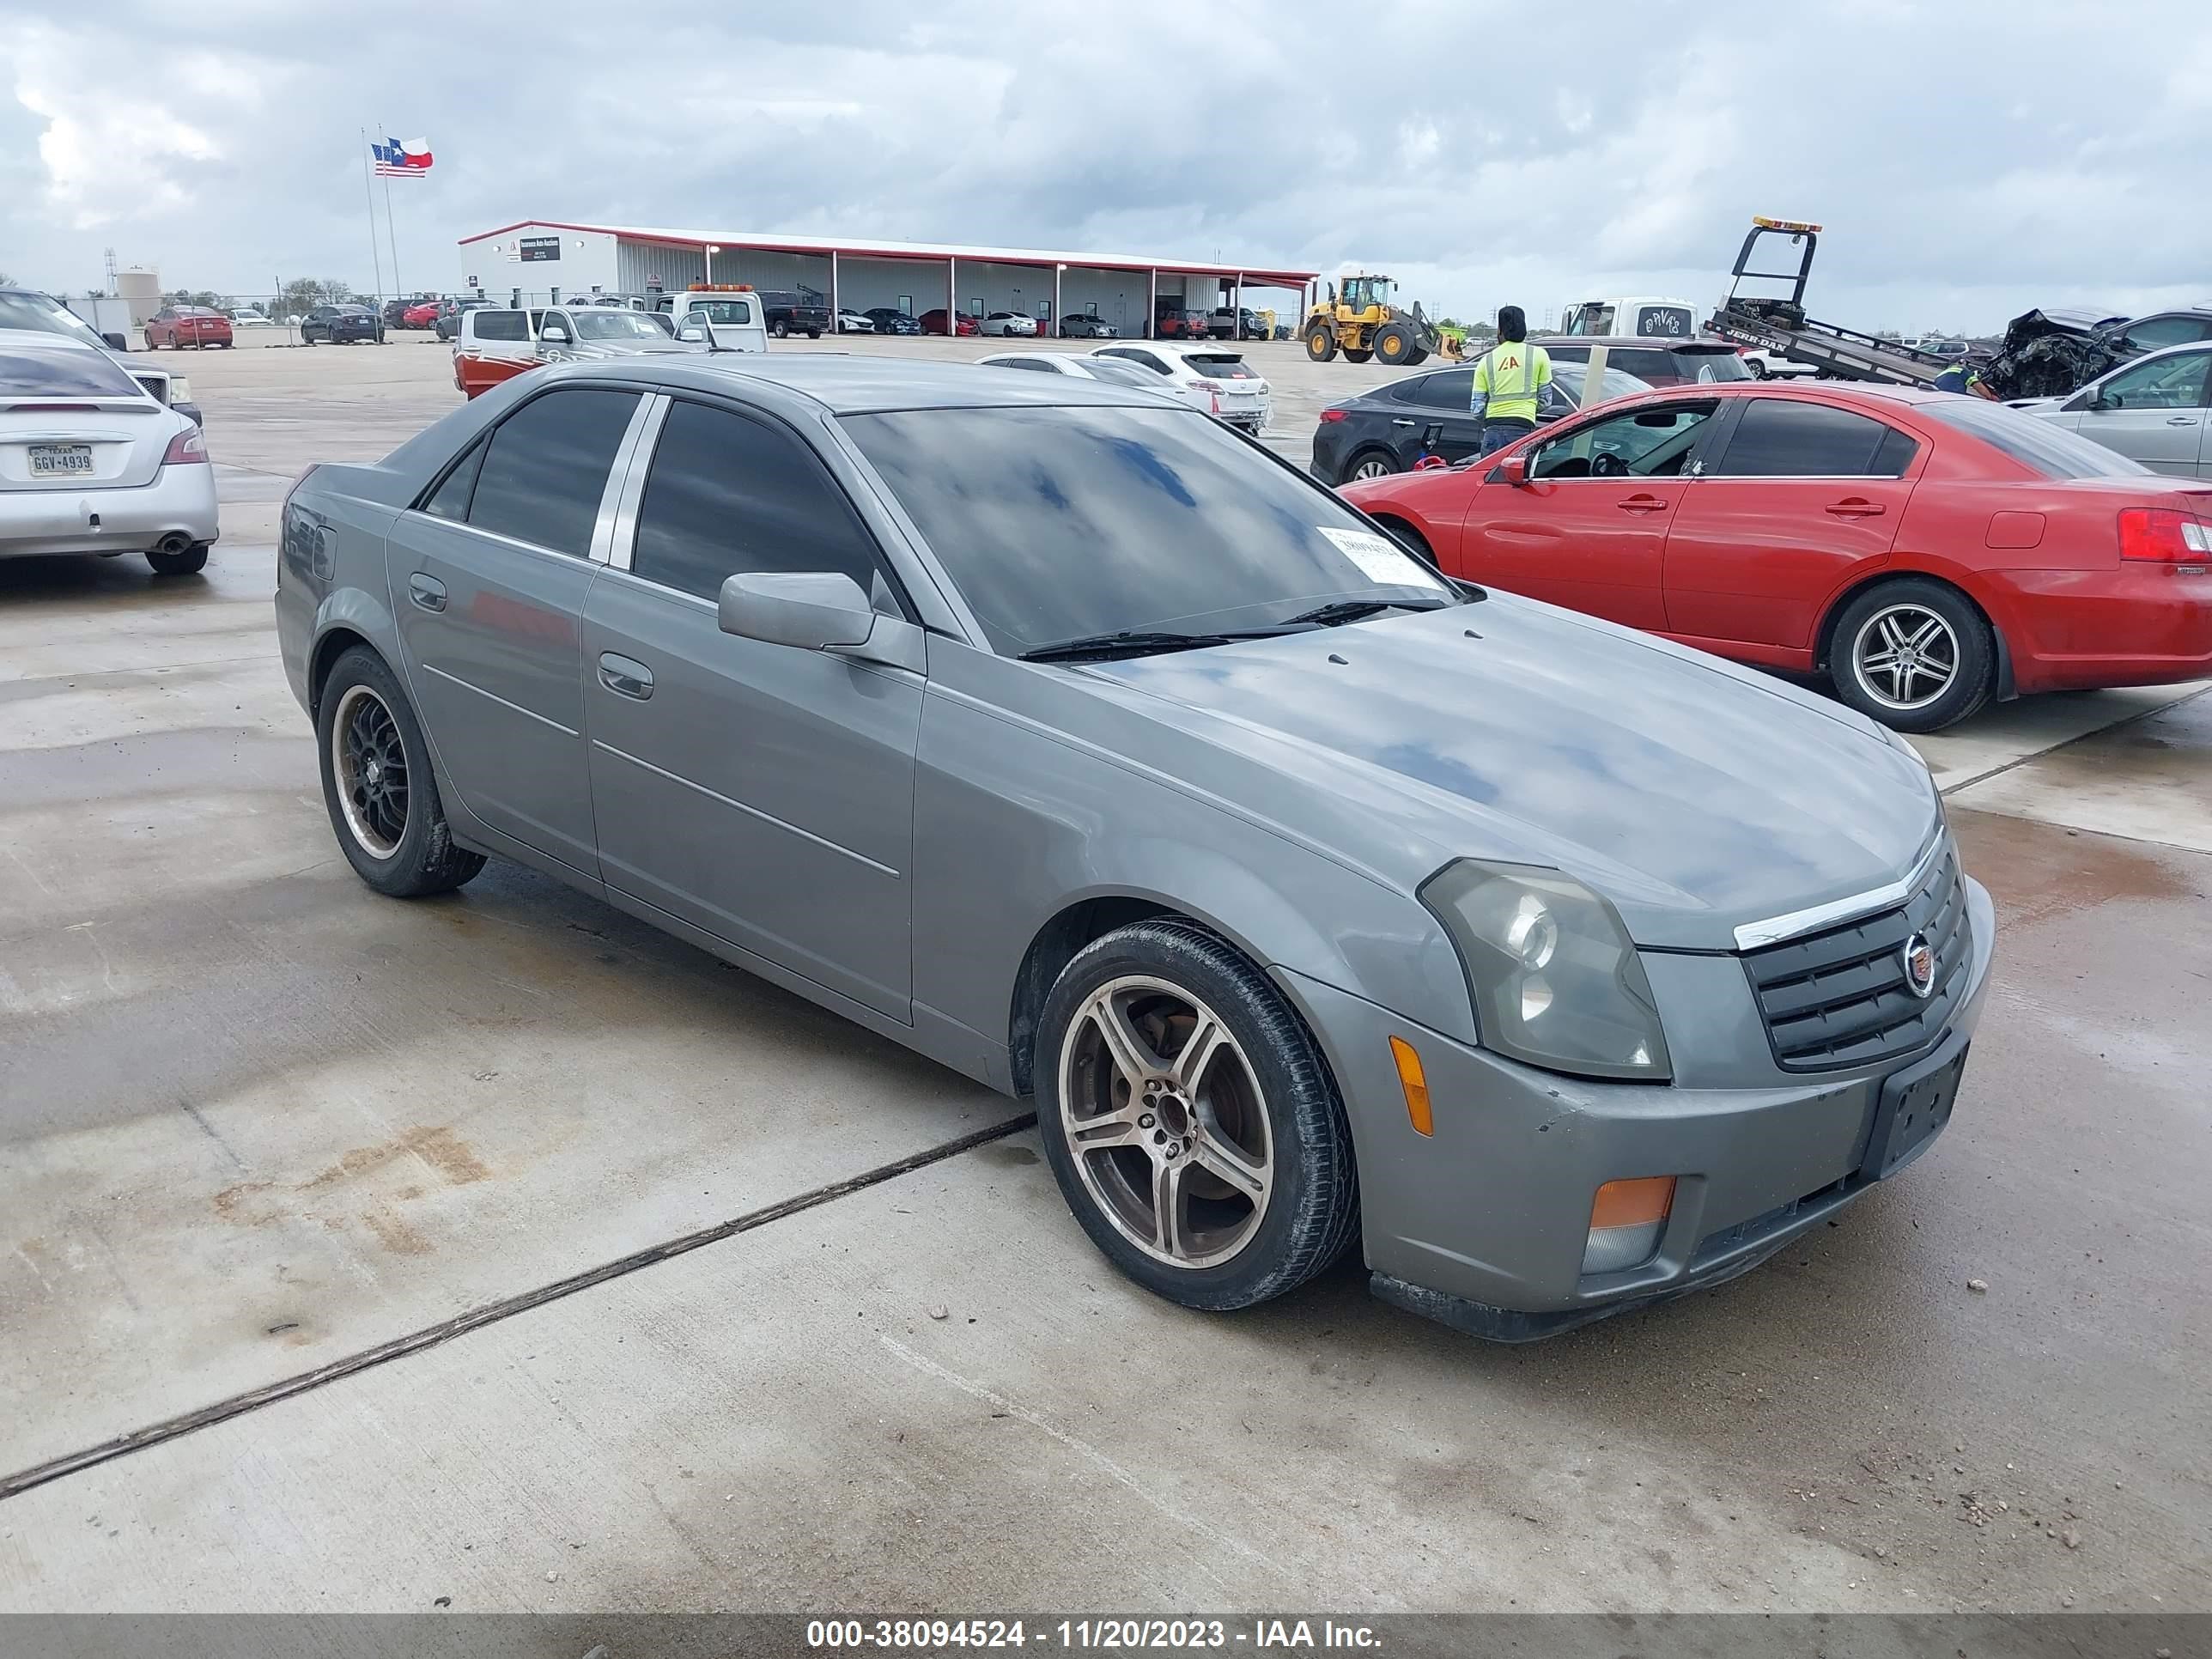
(1126,290)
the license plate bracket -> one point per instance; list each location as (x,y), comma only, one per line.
(1914,1105)
(60,460)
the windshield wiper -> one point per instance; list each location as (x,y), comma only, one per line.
(1129,642)
(1349,611)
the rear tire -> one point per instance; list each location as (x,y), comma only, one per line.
(1418,355)
(813,333)
(1252,1154)
(391,828)
(1914,654)
(1370,464)
(781,330)
(1320,342)
(193,558)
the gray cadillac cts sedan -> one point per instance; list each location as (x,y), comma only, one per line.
(1076,742)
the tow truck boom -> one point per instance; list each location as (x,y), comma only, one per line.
(1780,325)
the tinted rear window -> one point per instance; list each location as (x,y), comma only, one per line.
(1784,438)
(1450,388)
(2041,446)
(63,374)
(1221,366)
(547,467)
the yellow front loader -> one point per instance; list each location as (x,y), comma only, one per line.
(1358,318)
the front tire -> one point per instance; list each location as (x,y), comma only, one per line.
(378,785)
(1914,654)
(1320,342)
(1191,1120)
(1393,346)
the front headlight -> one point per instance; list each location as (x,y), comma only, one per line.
(1555,978)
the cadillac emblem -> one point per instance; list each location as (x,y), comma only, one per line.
(1919,959)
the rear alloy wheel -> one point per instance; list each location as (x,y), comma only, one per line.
(1190,1120)
(1370,463)
(1914,655)
(378,785)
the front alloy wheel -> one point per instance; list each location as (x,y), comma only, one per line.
(1190,1120)
(1164,1117)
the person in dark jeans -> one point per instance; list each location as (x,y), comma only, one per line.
(1508,381)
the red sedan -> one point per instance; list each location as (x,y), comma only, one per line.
(423,313)
(179,326)
(1926,551)
(932,322)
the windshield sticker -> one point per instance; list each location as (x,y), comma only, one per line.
(1379,558)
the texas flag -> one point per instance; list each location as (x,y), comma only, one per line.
(401,158)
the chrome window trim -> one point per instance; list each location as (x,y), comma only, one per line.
(626,484)
(1755,935)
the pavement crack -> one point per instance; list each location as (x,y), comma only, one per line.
(492,1313)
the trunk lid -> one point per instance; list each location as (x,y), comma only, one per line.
(80,444)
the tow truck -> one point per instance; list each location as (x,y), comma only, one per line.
(1776,324)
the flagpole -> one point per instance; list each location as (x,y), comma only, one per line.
(392,231)
(368,190)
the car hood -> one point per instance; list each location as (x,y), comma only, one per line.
(1694,794)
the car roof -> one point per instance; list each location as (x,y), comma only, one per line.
(861,384)
(1646,342)
(1816,391)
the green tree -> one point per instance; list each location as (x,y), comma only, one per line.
(304,294)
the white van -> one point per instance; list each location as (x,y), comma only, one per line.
(1636,317)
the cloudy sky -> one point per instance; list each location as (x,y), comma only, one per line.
(1969,159)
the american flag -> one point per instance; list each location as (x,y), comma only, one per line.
(401,158)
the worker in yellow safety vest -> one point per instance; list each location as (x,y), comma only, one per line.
(1507,381)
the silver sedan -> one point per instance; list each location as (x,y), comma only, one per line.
(91,462)
(1089,750)
(2156,409)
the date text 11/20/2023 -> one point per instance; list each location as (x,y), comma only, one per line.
(1119,1635)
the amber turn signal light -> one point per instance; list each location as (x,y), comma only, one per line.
(1415,1082)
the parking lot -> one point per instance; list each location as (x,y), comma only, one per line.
(306,1194)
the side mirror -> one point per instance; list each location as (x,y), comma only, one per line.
(1514,471)
(554,335)
(2104,400)
(692,334)
(116,342)
(811,611)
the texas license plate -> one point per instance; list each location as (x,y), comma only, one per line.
(49,460)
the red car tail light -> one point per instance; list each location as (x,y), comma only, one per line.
(2164,535)
(184,449)
(1329,415)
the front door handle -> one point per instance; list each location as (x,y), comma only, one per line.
(2181,420)
(1854,506)
(1400,421)
(427,591)
(1642,504)
(625,676)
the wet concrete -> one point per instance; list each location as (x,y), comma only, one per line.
(256,1120)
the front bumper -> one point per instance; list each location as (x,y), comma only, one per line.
(1484,1224)
(181,500)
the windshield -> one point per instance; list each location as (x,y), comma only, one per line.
(36,311)
(63,373)
(1059,523)
(2048,448)
(596,325)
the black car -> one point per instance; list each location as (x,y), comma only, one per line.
(1081,326)
(341,325)
(1657,360)
(1394,427)
(890,319)
(794,311)
(448,325)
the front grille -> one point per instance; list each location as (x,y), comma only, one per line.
(1839,998)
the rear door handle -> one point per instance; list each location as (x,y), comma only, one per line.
(625,676)
(1853,507)
(2181,420)
(427,591)
(1642,504)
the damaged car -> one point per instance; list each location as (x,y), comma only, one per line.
(2053,353)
